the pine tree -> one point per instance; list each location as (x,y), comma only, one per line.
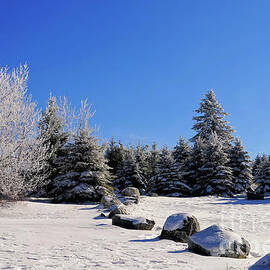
(130,174)
(216,174)
(211,120)
(256,164)
(152,160)
(182,157)
(53,136)
(82,172)
(262,175)
(115,156)
(240,164)
(197,161)
(167,182)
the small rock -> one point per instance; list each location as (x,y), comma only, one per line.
(179,227)
(220,242)
(118,209)
(131,192)
(108,201)
(133,223)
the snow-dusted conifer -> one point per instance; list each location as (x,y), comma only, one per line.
(262,175)
(152,160)
(256,164)
(211,120)
(167,181)
(182,157)
(53,135)
(240,164)
(130,174)
(196,162)
(83,174)
(216,174)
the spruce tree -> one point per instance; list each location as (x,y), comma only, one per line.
(262,175)
(167,181)
(52,133)
(211,120)
(182,157)
(216,174)
(130,174)
(197,161)
(240,164)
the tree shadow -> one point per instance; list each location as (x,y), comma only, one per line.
(156,239)
(241,201)
(100,217)
(179,251)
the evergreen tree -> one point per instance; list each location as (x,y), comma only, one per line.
(167,182)
(115,156)
(211,120)
(82,172)
(130,174)
(53,136)
(240,164)
(262,175)
(153,158)
(197,161)
(216,174)
(256,164)
(182,157)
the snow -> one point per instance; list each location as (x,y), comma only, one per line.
(263,263)
(175,221)
(216,239)
(41,235)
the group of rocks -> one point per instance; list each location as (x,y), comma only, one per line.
(181,227)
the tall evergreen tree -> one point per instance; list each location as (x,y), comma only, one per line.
(152,160)
(52,133)
(256,164)
(216,174)
(240,164)
(262,175)
(211,120)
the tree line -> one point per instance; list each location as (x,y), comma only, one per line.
(56,153)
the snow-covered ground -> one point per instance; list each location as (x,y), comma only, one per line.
(40,235)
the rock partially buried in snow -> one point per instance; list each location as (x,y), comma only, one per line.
(131,192)
(133,223)
(117,210)
(220,242)
(109,201)
(179,227)
(262,264)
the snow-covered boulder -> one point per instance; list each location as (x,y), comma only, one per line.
(134,223)
(179,227)
(131,192)
(220,242)
(117,210)
(262,264)
(130,200)
(109,201)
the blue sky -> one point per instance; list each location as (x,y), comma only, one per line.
(144,65)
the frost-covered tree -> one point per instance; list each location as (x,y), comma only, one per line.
(167,181)
(241,168)
(131,174)
(114,154)
(262,175)
(23,154)
(256,164)
(216,174)
(83,174)
(153,158)
(182,157)
(211,120)
(52,133)
(196,162)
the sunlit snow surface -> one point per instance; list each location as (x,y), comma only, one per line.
(40,235)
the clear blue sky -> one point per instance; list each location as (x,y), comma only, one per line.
(145,64)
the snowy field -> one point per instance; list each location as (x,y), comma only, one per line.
(41,235)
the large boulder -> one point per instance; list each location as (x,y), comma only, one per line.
(109,201)
(131,192)
(118,210)
(133,223)
(220,242)
(179,227)
(262,264)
